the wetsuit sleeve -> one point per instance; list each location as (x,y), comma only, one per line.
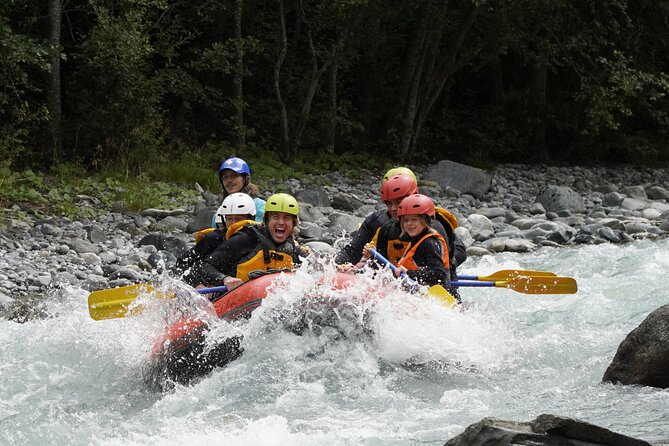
(459,254)
(203,248)
(460,251)
(352,253)
(431,269)
(223,261)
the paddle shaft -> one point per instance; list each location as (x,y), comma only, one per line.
(392,267)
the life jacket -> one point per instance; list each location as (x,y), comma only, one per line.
(449,222)
(266,255)
(395,247)
(407,260)
(202,233)
(236,227)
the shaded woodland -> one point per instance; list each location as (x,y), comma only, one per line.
(134,81)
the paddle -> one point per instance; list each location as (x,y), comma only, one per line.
(437,291)
(113,303)
(528,285)
(507,274)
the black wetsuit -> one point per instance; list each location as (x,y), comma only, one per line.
(352,253)
(240,247)
(187,261)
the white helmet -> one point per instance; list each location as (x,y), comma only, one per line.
(236,204)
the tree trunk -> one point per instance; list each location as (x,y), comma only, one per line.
(410,67)
(332,127)
(54,101)
(314,79)
(283,48)
(238,97)
(539,106)
(442,66)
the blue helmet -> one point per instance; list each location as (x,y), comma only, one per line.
(236,165)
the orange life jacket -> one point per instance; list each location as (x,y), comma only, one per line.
(394,248)
(407,259)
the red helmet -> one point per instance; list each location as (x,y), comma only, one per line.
(416,204)
(398,186)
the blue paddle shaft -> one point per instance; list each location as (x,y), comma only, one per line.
(461,283)
(392,267)
(216,289)
(457,283)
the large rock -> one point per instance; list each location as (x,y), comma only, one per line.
(466,179)
(643,356)
(316,196)
(545,430)
(557,198)
(201,220)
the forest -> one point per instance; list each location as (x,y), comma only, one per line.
(99,82)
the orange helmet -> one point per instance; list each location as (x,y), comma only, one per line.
(398,186)
(416,204)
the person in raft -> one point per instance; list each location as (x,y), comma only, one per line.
(234,175)
(382,228)
(238,209)
(268,246)
(391,195)
(425,259)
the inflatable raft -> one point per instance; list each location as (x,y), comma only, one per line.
(179,354)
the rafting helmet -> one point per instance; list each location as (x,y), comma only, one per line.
(236,204)
(399,170)
(235,164)
(416,204)
(282,203)
(398,186)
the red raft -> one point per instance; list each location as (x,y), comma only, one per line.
(179,355)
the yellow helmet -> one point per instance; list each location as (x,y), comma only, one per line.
(399,170)
(282,203)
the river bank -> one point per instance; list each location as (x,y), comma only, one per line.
(523,208)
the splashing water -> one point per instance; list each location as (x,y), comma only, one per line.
(367,364)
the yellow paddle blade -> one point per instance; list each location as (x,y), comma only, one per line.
(507,274)
(441,293)
(541,285)
(113,303)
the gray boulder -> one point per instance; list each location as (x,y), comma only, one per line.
(557,198)
(466,179)
(316,196)
(643,356)
(545,430)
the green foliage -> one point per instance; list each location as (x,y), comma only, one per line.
(21,115)
(148,85)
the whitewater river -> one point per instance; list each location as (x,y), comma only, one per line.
(395,371)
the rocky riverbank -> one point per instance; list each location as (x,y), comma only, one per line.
(517,208)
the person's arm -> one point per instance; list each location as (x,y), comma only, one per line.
(460,251)
(352,253)
(432,270)
(187,263)
(223,261)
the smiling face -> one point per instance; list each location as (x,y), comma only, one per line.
(392,206)
(413,224)
(280,226)
(231,181)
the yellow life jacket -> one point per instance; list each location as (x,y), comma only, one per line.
(446,218)
(394,248)
(202,233)
(407,260)
(236,227)
(265,256)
